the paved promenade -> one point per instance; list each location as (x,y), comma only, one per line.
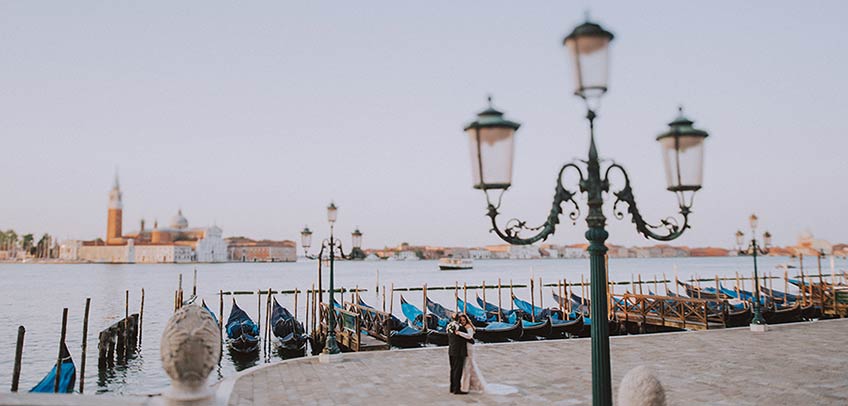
(801,363)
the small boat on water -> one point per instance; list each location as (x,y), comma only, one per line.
(67,377)
(455,264)
(394,323)
(408,337)
(434,333)
(289,335)
(205,307)
(242,332)
(499,332)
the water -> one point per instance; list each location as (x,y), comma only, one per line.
(33,295)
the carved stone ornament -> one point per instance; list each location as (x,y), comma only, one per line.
(190,349)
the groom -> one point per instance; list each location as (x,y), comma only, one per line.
(457,351)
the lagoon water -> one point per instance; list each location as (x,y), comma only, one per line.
(33,295)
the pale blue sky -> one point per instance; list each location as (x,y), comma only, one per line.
(255,115)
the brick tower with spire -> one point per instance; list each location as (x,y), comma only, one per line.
(114,223)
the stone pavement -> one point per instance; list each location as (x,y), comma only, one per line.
(801,363)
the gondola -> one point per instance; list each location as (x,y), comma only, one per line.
(394,323)
(435,331)
(535,329)
(477,315)
(786,314)
(583,306)
(205,307)
(564,328)
(499,332)
(808,311)
(578,309)
(506,315)
(533,313)
(738,315)
(242,332)
(289,335)
(408,337)
(67,377)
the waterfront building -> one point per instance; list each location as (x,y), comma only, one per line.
(524,252)
(176,243)
(479,253)
(243,249)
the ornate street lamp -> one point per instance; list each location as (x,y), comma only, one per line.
(753,249)
(491,140)
(332,246)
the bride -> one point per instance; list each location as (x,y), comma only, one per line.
(472,380)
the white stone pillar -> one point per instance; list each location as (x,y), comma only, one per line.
(190,349)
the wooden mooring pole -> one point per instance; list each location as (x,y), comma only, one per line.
(19,353)
(61,346)
(392,299)
(126,337)
(141,316)
(84,345)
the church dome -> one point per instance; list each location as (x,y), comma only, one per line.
(179,221)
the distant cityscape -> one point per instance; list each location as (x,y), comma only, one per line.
(179,243)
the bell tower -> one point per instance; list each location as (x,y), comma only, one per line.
(114,223)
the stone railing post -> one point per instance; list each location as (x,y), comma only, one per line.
(190,349)
(640,388)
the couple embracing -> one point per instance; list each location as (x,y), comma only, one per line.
(464,375)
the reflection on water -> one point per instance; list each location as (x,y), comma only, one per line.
(143,374)
(242,361)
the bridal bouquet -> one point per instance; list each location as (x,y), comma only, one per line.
(452,327)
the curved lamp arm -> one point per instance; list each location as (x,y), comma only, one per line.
(337,243)
(318,257)
(672,229)
(514,226)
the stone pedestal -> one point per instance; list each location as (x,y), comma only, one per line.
(190,349)
(329,358)
(759,328)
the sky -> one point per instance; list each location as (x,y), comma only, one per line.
(255,115)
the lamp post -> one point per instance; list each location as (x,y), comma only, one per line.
(491,139)
(753,249)
(331,245)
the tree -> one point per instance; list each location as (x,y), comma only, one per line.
(26,243)
(43,246)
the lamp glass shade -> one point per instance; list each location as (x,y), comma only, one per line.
(356,236)
(588,46)
(306,238)
(332,212)
(683,155)
(740,239)
(492,151)
(754,221)
(491,140)
(767,239)
(683,158)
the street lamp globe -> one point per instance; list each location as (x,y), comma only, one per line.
(767,239)
(754,221)
(332,212)
(740,239)
(588,46)
(356,236)
(491,140)
(683,157)
(306,238)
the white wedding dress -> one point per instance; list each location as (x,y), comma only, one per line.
(472,379)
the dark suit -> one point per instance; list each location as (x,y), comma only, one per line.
(457,351)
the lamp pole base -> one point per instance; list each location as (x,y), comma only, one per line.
(331,347)
(325,358)
(759,328)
